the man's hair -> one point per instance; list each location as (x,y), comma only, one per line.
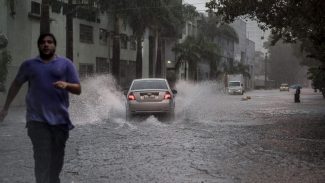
(42,36)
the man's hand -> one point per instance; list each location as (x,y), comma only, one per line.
(74,88)
(3,114)
(60,84)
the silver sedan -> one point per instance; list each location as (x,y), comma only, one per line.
(150,96)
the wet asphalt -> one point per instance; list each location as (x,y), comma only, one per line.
(214,138)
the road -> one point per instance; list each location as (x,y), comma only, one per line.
(214,138)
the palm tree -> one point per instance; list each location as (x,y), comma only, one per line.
(166,20)
(139,19)
(188,53)
(209,52)
(163,17)
(118,10)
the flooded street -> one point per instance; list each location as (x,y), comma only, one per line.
(215,137)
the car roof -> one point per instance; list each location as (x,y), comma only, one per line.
(147,79)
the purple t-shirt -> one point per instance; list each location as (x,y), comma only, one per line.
(46,103)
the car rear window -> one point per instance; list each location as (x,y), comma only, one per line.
(149,84)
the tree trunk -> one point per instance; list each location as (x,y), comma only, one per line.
(45,17)
(212,70)
(139,58)
(192,71)
(158,60)
(116,51)
(69,32)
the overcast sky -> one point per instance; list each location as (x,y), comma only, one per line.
(253,34)
(199,4)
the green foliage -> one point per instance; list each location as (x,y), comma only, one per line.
(194,50)
(187,51)
(210,27)
(290,20)
(161,16)
(189,12)
(317,76)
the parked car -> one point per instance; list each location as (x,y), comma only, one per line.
(150,96)
(284,87)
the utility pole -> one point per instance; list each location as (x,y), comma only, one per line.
(265,72)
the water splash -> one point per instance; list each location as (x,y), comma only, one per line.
(199,100)
(100,101)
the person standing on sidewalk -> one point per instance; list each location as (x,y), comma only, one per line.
(50,80)
(297,95)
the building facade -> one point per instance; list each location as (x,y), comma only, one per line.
(244,50)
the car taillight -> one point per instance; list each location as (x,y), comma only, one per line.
(167,95)
(131,96)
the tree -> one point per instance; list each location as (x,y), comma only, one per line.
(138,18)
(209,52)
(118,10)
(289,20)
(141,16)
(166,21)
(187,54)
(317,75)
(166,18)
(284,65)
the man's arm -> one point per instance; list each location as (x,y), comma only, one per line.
(74,88)
(13,90)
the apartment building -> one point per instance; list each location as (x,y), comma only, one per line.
(92,38)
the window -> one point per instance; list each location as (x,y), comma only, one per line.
(103,35)
(133,43)
(86,70)
(149,84)
(35,8)
(124,41)
(102,66)
(90,3)
(56,6)
(86,34)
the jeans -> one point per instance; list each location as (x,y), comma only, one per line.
(48,146)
